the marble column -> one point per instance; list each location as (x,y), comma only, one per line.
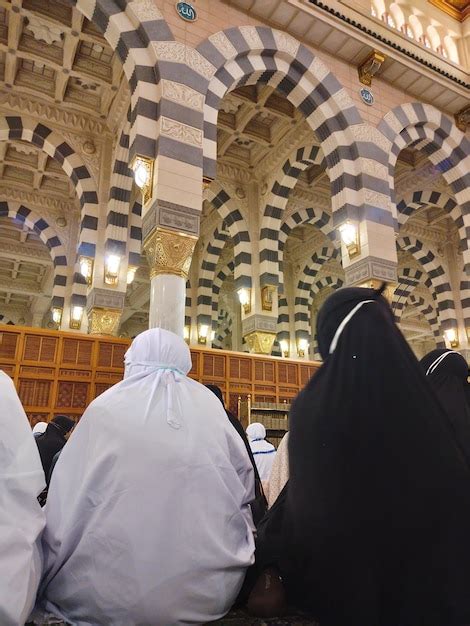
(169,255)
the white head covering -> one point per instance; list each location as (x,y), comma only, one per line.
(39,428)
(21,517)
(263,451)
(256,432)
(148,517)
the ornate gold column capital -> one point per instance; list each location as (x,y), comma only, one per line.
(169,252)
(103,321)
(375,284)
(260,342)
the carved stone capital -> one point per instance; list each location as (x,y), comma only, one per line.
(172,217)
(169,252)
(371,268)
(105,299)
(257,322)
(259,342)
(103,321)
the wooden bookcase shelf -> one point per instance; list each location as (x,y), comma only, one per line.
(62,372)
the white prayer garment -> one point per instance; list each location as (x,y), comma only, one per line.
(21,517)
(148,517)
(263,451)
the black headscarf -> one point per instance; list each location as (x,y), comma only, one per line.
(53,440)
(447,371)
(379,492)
(260,505)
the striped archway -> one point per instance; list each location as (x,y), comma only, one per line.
(438,278)
(429,313)
(425,128)
(303,298)
(207,272)
(237,227)
(134,29)
(47,234)
(27,129)
(271,248)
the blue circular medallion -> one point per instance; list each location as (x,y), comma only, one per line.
(186,11)
(367,96)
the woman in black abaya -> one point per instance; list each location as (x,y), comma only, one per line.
(447,371)
(377,511)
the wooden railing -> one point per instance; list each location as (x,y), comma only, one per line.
(58,372)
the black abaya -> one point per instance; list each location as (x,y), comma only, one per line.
(447,372)
(378,505)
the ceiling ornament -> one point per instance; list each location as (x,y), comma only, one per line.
(89,147)
(78,121)
(43,31)
(85,146)
(38,200)
(86,85)
(25,148)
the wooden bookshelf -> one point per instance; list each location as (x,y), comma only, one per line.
(62,372)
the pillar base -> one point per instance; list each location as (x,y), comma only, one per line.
(260,342)
(103,321)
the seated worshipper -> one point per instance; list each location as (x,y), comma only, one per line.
(148,517)
(447,372)
(279,472)
(21,517)
(259,505)
(53,440)
(372,527)
(39,428)
(262,450)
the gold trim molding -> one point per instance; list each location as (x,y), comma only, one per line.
(458,9)
(169,252)
(103,321)
(260,342)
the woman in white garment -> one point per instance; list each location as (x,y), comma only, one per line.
(279,471)
(148,517)
(21,517)
(263,451)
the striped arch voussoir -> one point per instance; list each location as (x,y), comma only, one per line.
(437,275)
(249,55)
(237,227)
(49,237)
(430,314)
(132,29)
(271,236)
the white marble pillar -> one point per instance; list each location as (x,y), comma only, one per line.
(169,255)
(167,303)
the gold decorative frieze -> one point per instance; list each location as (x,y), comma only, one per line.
(169,252)
(458,9)
(103,321)
(260,342)
(370,67)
